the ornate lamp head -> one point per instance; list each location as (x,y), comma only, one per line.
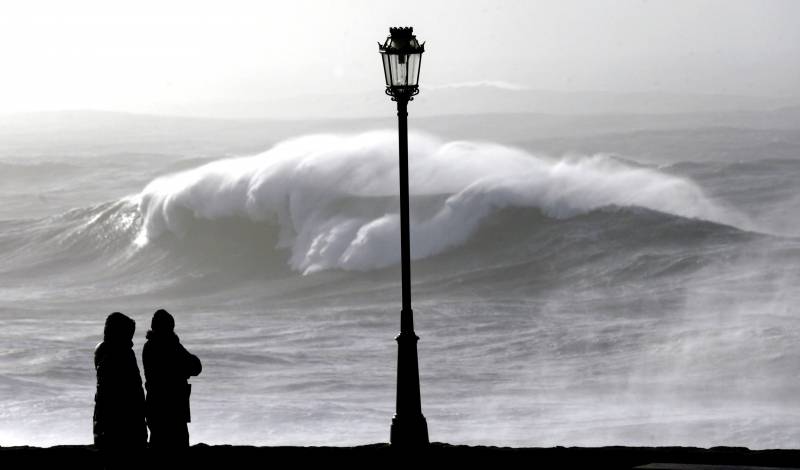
(402,56)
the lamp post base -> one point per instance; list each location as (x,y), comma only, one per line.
(409,431)
(409,428)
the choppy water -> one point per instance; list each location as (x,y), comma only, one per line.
(584,300)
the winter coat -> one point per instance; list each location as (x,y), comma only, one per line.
(119,419)
(167,367)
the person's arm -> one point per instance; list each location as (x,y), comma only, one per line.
(107,366)
(192,365)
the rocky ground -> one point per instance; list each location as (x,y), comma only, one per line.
(383,456)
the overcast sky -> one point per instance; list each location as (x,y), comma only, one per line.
(160,55)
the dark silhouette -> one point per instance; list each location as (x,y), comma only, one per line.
(437,455)
(119,421)
(167,367)
(401,56)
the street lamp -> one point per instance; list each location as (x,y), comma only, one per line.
(402,54)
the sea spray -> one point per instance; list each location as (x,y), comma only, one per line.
(333,197)
(619,325)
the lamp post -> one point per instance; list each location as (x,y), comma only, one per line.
(402,54)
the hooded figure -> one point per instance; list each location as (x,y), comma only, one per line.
(167,367)
(119,421)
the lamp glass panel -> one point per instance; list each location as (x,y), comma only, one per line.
(413,68)
(386,69)
(399,69)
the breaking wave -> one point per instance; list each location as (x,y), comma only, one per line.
(333,198)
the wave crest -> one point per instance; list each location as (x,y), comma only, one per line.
(334,197)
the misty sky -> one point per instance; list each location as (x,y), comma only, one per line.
(158,56)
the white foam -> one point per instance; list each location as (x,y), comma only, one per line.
(301,183)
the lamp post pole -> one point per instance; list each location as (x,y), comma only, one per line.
(405,235)
(401,59)
(409,427)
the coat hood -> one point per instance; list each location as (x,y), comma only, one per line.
(119,328)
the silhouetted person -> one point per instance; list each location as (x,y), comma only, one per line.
(167,367)
(119,419)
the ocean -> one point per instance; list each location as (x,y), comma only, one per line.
(643,291)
